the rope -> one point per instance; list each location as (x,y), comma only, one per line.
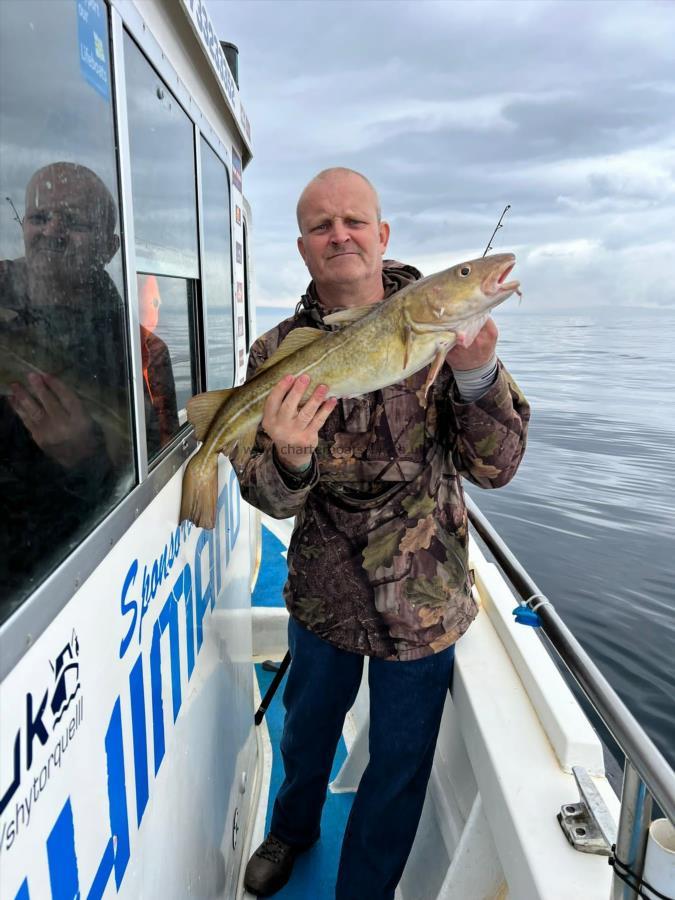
(543,601)
(626,874)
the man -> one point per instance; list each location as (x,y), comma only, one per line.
(378,558)
(63,319)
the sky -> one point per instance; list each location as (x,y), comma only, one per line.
(564,110)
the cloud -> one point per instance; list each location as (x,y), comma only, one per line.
(579,249)
(456,109)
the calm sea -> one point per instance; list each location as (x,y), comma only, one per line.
(591,512)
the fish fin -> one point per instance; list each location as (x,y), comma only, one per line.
(294,340)
(407,344)
(202,408)
(347,316)
(200,490)
(436,366)
(244,445)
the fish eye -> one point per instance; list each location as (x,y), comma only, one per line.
(464,271)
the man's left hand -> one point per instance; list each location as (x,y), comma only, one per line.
(481,351)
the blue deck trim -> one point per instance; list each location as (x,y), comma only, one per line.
(315,872)
(272,574)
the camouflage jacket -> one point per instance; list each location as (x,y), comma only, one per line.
(377,563)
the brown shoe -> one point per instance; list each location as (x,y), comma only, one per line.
(270,867)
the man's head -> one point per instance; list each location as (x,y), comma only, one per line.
(69,225)
(342,237)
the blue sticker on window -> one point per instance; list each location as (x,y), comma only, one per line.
(92,39)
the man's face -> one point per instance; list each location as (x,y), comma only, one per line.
(342,241)
(67,227)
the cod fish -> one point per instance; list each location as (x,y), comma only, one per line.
(378,345)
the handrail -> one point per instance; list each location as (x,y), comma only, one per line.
(645,757)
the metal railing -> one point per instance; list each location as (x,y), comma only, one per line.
(647,774)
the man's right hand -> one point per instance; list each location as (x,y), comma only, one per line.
(294,429)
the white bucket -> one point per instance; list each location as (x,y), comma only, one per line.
(659,870)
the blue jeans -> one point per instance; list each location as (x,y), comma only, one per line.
(406,703)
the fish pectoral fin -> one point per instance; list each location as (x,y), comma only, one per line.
(347,316)
(243,447)
(407,344)
(295,340)
(434,369)
(202,408)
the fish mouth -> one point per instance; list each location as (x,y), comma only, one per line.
(494,285)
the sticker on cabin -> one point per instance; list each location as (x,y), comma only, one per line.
(237,215)
(240,326)
(242,360)
(240,292)
(236,169)
(54,711)
(239,253)
(92,39)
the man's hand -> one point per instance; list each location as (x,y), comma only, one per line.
(481,351)
(55,418)
(293,429)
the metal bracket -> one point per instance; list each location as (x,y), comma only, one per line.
(588,825)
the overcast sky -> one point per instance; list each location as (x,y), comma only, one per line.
(564,109)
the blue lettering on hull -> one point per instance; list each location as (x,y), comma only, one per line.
(140,737)
(62,840)
(61,856)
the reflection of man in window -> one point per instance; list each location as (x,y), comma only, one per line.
(162,426)
(65,445)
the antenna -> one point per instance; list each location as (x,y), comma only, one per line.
(499,225)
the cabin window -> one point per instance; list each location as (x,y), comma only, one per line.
(163,176)
(217,271)
(162,172)
(66,444)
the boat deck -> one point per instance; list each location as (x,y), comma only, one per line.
(315,871)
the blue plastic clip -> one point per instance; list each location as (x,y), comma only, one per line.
(526,616)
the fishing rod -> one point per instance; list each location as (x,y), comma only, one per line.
(499,225)
(16,214)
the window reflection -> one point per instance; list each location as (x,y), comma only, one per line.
(162,172)
(161,412)
(169,371)
(66,454)
(217,271)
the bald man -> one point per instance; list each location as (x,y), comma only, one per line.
(378,561)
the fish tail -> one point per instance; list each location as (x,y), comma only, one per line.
(200,490)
